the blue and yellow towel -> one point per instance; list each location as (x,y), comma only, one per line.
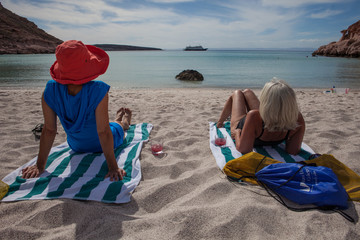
(81,175)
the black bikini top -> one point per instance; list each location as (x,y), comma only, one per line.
(259,142)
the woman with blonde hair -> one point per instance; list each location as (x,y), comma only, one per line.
(270,121)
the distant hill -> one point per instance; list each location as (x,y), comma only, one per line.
(19,35)
(347,46)
(116,47)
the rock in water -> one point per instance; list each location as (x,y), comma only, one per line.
(190,75)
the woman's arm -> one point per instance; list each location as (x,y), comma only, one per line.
(107,140)
(293,143)
(47,138)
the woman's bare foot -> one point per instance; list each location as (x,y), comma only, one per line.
(123,117)
(127,115)
(119,115)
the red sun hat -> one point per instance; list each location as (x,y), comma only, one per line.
(77,63)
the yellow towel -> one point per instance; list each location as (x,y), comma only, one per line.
(4,188)
(246,166)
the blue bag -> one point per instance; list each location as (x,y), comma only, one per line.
(305,184)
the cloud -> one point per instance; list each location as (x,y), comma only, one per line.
(170,1)
(310,40)
(58,11)
(87,12)
(230,23)
(297,3)
(325,14)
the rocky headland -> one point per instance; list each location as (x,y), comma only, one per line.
(347,46)
(19,35)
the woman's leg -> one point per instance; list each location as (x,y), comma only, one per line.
(234,106)
(237,106)
(238,109)
(252,102)
(226,112)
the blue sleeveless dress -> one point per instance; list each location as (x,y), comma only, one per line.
(77,114)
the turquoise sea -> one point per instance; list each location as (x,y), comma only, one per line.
(220,68)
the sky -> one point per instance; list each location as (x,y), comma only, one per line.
(175,24)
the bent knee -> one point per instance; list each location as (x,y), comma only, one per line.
(247,91)
(238,92)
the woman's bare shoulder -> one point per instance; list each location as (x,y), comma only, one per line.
(301,118)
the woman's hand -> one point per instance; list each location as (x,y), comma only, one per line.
(236,132)
(31,172)
(116,174)
(219,124)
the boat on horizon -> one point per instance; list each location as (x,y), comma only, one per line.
(195,48)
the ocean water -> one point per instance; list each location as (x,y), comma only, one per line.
(220,68)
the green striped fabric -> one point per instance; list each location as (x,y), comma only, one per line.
(81,175)
(224,154)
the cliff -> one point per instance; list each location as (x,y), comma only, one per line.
(19,35)
(347,46)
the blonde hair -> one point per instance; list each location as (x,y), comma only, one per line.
(278,106)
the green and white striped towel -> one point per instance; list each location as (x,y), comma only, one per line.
(81,175)
(224,154)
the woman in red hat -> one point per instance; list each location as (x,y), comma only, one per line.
(82,107)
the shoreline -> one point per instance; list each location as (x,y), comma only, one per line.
(321,89)
(183,195)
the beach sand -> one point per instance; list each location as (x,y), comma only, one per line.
(183,195)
